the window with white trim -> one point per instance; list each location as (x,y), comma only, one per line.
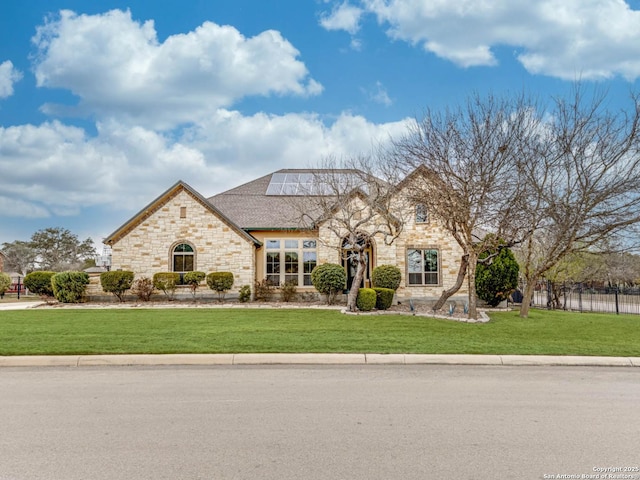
(423,266)
(290,260)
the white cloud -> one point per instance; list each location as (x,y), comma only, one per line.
(124,167)
(15,207)
(569,39)
(342,17)
(246,147)
(379,94)
(118,68)
(8,76)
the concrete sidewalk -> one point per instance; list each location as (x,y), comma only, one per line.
(313,359)
(301,358)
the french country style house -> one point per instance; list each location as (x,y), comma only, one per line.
(254,231)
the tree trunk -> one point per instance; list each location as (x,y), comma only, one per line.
(355,284)
(471,278)
(526,298)
(462,271)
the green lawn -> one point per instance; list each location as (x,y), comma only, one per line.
(111,331)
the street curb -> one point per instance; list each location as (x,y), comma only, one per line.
(312,359)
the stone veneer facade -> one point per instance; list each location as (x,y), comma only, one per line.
(428,235)
(147,248)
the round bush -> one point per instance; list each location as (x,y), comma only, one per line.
(386,276)
(384,298)
(329,279)
(166,282)
(220,282)
(194,278)
(366,300)
(69,287)
(116,282)
(39,283)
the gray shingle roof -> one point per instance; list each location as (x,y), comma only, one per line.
(249,207)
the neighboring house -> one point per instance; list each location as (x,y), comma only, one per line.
(254,232)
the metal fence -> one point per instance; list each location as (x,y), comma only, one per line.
(581,298)
(17,286)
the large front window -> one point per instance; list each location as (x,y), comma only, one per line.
(423,266)
(290,261)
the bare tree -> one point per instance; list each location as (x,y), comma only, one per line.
(463,165)
(356,207)
(583,182)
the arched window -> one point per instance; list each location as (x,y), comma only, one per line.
(183,258)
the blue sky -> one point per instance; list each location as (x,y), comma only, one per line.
(105,104)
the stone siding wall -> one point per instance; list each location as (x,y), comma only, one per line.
(218,247)
(414,235)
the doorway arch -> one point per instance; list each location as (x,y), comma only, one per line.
(350,260)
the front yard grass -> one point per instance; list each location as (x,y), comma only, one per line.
(113,331)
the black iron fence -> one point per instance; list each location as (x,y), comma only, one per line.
(583,298)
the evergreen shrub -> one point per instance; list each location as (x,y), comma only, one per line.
(245,294)
(220,282)
(166,282)
(329,279)
(366,300)
(497,280)
(386,276)
(194,279)
(69,287)
(384,298)
(5,283)
(39,283)
(116,282)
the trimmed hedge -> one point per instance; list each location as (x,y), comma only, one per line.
(69,287)
(220,282)
(386,276)
(116,282)
(329,279)
(194,279)
(384,298)
(166,282)
(366,300)
(39,283)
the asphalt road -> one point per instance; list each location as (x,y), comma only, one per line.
(320,422)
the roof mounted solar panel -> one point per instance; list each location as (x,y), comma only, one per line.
(300,184)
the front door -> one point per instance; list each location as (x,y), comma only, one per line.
(350,263)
